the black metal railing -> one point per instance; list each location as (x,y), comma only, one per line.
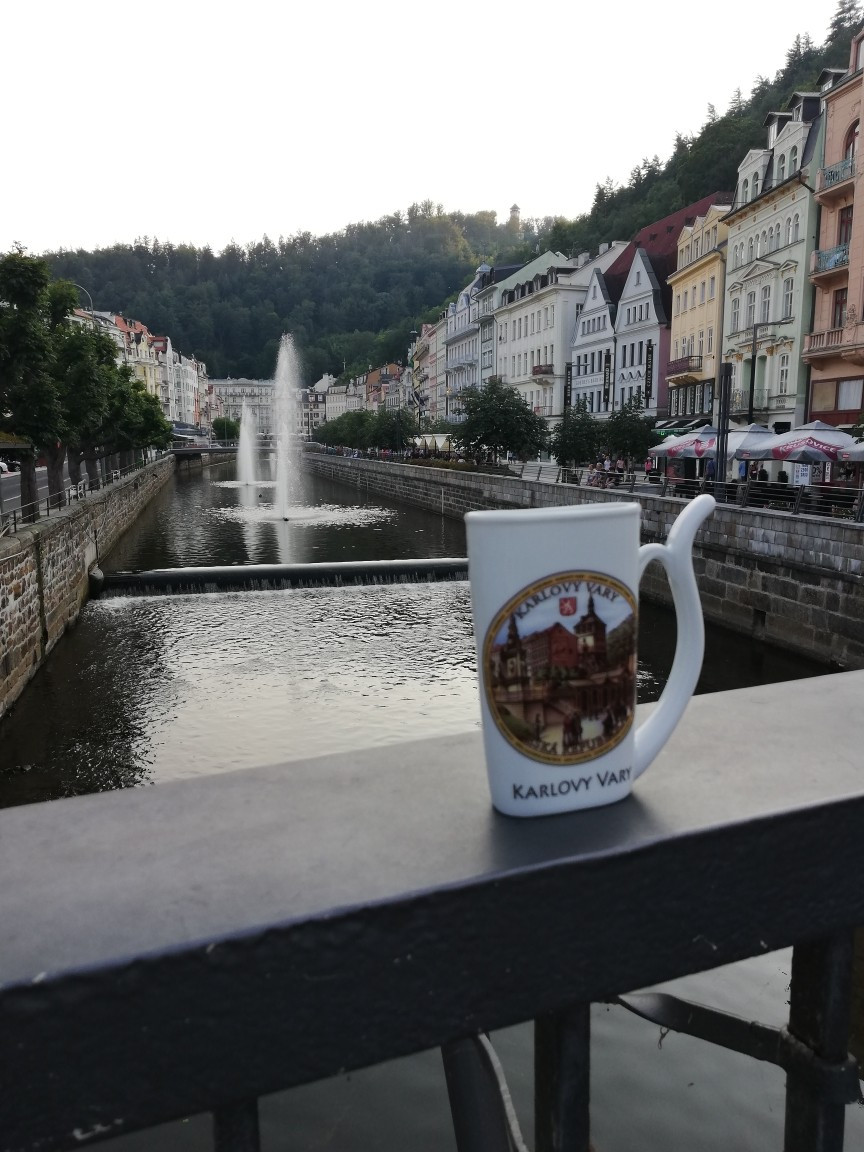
(34,510)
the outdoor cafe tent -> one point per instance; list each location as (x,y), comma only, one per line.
(694,445)
(814,443)
(745,443)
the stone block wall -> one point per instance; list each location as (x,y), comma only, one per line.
(795,581)
(44,569)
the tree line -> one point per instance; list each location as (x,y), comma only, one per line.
(497,424)
(62,394)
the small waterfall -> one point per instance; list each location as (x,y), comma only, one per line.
(247,451)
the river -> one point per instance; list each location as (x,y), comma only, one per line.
(147,689)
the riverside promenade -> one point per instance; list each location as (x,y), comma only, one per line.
(189,948)
(792,580)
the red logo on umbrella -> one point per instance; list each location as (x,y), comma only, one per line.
(567,605)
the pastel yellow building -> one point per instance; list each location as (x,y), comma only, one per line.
(697,316)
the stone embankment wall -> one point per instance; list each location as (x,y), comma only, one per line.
(795,581)
(44,567)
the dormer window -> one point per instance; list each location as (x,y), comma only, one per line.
(781,168)
(755,185)
(793,159)
(745,191)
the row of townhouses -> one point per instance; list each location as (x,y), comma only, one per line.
(179,382)
(767,278)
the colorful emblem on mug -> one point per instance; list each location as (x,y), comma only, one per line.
(559,664)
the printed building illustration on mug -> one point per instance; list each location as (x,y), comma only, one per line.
(567,688)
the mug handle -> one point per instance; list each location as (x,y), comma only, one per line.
(676,556)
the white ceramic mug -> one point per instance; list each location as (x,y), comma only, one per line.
(554,595)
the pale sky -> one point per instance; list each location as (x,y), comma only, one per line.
(208,122)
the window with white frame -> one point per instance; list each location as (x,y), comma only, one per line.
(788,290)
(796,221)
(783,377)
(793,159)
(751,310)
(755,185)
(765,304)
(710,341)
(702,292)
(712,287)
(781,168)
(736,314)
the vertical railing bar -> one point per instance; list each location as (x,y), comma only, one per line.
(562,1084)
(236,1128)
(820,1009)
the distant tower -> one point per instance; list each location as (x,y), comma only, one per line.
(513,223)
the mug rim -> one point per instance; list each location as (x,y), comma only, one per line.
(556,512)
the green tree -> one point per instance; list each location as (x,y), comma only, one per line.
(31,312)
(628,433)
(574,440)
(498,421)
(225,429)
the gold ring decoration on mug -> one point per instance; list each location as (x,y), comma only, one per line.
(559,662)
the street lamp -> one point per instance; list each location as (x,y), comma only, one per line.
(81,288)
(759,324)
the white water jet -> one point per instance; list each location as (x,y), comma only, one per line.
(247,451)
(285,392)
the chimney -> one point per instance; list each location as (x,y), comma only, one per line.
(603,248)
(582,259)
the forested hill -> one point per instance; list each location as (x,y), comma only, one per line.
(352,298)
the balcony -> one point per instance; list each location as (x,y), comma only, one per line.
(739,401)
(685,367)
(835,180)
(818,344)
(543,370)
(829,262)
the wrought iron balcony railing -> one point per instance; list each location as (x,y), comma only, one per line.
(830,259)
(835,174)
(684,364)
(543,370)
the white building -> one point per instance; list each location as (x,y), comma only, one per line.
(773,228)
(536,320)
(231,395)
(462,345)
(641,322)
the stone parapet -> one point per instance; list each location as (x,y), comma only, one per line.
(795,581)
(44,567)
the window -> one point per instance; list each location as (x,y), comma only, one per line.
(755,185)
(765,304)
(851,146)
(701,343)
(693,297)
(532,323)
(677,303)
(844,225)
(788,229)
(638,277)
(751,310)
(690,345)
(795,222)
(823,394)
(702,292)
(675,353)
(552,314)
(712,286)
(783,384)
(647,311)
(849,395)
(788,286)
(838,310)
(628,315)
(763,247)
(736,314)
(750,250)
(640,351)
(781,168)
(710,341)
(745,191)
(685,300)
(793,159)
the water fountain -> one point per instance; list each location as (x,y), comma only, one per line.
(247,454)
(285,385)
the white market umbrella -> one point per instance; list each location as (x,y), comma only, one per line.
(746,443)
(693,445)
(813,443)
(853,455)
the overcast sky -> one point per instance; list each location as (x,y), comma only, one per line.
(202,123)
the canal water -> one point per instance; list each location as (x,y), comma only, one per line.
(147,689)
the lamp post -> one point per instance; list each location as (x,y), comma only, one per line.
(81,288)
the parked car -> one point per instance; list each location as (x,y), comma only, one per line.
(4,467)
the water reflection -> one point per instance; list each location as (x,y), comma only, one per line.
(149,689)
